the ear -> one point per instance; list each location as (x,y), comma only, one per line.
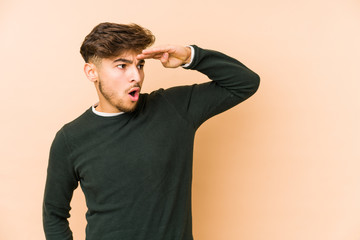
(91,72)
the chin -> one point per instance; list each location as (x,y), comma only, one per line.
(130,108)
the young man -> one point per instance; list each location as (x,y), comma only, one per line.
(132,152)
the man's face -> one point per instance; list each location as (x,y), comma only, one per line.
(119,82)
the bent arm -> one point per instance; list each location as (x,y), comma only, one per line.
(232,82)
(226,71)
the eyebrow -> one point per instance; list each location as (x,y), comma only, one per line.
(128,61)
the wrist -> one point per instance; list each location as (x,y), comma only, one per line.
(191,52)
(188,59)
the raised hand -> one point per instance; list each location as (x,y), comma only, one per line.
(170,56)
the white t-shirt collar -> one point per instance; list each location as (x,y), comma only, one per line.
(104,114)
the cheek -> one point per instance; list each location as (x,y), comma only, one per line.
(114,81)
(142,76)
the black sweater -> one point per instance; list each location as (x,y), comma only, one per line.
(135,169)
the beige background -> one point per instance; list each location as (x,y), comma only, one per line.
(283,165)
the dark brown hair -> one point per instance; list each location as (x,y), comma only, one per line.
(111,39)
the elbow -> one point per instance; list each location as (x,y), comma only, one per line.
(256,82)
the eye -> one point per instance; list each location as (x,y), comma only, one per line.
(140,66)
(121,66)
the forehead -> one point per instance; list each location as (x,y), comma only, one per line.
(126,56)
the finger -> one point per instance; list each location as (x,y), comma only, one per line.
(159,49)
(149,56)
(164,58)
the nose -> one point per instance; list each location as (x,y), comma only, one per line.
(135,75)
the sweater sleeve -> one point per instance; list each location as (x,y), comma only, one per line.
(232,82)
(60,183)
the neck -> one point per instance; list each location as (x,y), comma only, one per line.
(103,114)
(106,108)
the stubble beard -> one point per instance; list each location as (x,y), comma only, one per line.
(119,105)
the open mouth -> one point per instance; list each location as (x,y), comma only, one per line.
(134,94)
